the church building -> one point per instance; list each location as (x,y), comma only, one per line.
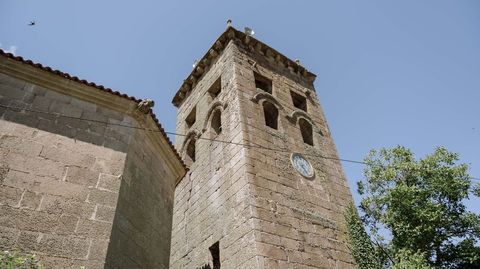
(89,178)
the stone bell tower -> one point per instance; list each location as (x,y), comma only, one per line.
(260,192)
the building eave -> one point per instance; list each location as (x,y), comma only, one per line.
(28,70)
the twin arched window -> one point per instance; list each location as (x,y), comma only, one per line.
(270,113)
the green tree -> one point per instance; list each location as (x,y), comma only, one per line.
(420,205)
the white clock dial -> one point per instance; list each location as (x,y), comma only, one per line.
(302,165)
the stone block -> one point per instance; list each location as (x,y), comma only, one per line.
(75,123)
(77,248)
(13,90)
(35,89)
(8,216)
(109,182)
(41,167)
(104,213)
(102,197)
(81,176)
(83,105)
(90,137)
(93,229)
(58,96)
(95,117)
(20,145)
(8,238)
(98,250)
(59,205)
(30,200)
(41,103)
(28,240)
(51,244)
(64,109)
(51,261)
(45,185)
(36,221)
(112,164)
(10,196)
(115,144)
(20,117)
(96,264)
(110,113)
(66,224)
(67,156)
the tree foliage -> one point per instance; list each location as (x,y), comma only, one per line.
(361,247)
(419,205)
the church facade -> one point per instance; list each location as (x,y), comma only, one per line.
(88,176)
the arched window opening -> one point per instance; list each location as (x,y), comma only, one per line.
(307,131)
(191,149)
(217,122)
(271,115)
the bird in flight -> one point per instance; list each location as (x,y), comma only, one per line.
(32,23)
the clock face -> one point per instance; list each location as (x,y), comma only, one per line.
(302,165)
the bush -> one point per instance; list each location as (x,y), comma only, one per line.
(16,260)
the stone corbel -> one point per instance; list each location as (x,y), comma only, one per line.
(270,55)
(218,45)
(258,48)
(212,53)
(231,33)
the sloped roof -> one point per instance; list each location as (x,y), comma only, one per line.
(98,87)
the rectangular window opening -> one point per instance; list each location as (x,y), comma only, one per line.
(263,83)
(191,118)
(215,251)
(216,88)
(299,101)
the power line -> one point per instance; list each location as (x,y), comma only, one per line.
(18,109)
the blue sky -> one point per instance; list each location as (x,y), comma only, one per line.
(389,72)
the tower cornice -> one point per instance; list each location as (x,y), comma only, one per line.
(250,43)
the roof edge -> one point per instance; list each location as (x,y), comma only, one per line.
(101,88)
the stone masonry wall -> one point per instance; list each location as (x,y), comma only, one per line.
(298,222)
(142,225)
(211,202)
(60,180)
(250,199)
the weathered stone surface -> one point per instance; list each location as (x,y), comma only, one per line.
(263,213)
(60,180)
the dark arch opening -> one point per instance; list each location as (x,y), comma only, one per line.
(217,122)
(271,115)
(191,149)
(306,130)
